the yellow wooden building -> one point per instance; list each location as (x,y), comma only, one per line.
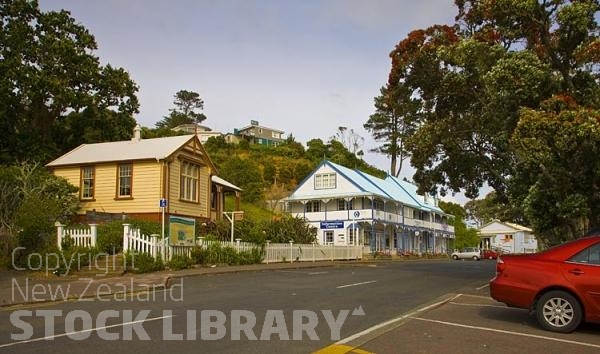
(129,178)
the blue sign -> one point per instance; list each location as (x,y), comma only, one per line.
(332,224)
(163,203)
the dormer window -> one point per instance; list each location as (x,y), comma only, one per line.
(325,181)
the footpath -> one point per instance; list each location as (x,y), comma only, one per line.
(22,287)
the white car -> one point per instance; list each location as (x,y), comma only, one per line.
(467,253)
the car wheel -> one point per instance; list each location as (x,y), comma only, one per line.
(558,311)
(475,258)
(455,257)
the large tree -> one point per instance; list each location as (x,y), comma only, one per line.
(54,94)
(476,80)
(188,110)
(393,123)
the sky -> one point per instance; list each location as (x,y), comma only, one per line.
(305,67)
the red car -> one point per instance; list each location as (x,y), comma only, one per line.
(489,254)
(560,285)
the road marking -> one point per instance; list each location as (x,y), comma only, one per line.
(341,349)
(392,321)
(355,284)
(83,331)
(482,287)
(316,273)
(484,305)
(508,332)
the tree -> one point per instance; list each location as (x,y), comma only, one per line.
(558,157)
(392,124)
(351,140)
(185,112)
(463,236)
(471,80)
(51,85)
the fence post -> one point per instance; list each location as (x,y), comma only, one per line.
(125,238)
(59,233)
(94,234)
(267,251)
(313,251)
(237,244)
(291,251)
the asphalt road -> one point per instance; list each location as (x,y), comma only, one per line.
(296,311)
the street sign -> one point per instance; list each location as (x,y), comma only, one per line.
(163,203)
(332,224)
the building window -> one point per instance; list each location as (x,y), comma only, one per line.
(124,180)
(87,182)
(328,237)
(378,204)
(325,181)
(344,205)
(189,181)
(313,206)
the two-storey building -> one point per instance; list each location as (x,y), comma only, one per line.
(257,134)
(350,207)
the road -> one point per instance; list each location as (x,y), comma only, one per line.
(298,304)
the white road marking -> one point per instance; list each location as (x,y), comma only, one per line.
(482,287)
(83,331)
(355,284)
(392,321)
(484,305)
(316,273)
(509,332)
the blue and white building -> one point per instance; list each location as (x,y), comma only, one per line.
(350,207)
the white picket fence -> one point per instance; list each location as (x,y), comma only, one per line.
(135,241)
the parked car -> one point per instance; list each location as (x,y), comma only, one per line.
(467,253)
(561,285)
(489,254)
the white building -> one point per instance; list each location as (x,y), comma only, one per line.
(508,237)
(350,207)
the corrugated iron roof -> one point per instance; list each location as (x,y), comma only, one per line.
(158,148)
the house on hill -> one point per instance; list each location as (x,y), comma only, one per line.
(257,134)
(350,207)
(129,178)
(507,237)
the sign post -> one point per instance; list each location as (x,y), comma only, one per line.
(163,205)
(232,219)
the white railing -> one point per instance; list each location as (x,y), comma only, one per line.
(135,241)
(82,236)
(291,252)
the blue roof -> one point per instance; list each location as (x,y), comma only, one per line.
(390,188)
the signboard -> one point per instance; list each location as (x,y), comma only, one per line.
(163,203)
(181,230)
(332,224)
(357,214)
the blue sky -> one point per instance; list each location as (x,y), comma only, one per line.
(302,66)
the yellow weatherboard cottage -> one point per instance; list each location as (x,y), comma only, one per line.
(129,178)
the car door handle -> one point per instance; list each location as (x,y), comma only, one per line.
(576,271)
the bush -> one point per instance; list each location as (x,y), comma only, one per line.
(217,254)
(179,262)
(110,237)
(143,263)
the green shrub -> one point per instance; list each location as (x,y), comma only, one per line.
(143,263)
(199,255)
(217,254)
(179,262)
(110,237)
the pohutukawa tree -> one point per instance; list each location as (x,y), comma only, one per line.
(465,88)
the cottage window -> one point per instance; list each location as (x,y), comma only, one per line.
(189,181)
(328,237)
(313,206)
(87,182)
(325,181)
(124,180)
